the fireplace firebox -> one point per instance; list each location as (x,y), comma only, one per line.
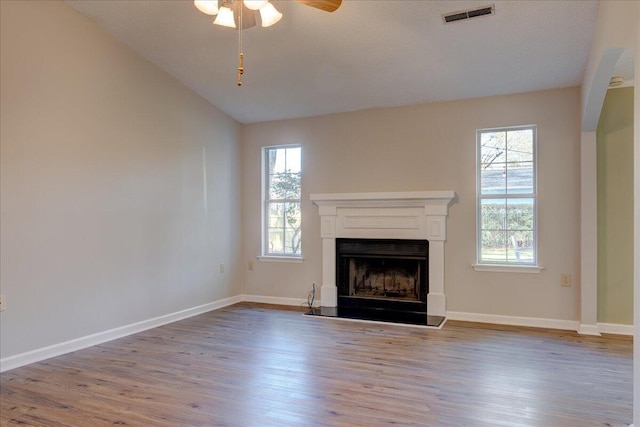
(383,279)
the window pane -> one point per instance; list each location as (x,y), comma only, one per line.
(492,212)
(493,179)
(492,147)
(493,246)
(276,241)
(274,187)
(293,226)
(292,212)
(277,160)
(521,247)
(284,173)
(520,214)
(520,178)
(520,145)
(292,241)
(284,186)
(276,215)
(293,159)
(284,228)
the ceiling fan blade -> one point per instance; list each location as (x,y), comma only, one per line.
(326,5)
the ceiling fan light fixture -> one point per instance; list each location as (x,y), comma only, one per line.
(210,7)
(269,15)
(255,4)
(225,18)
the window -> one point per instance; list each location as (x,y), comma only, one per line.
(281,195)
(506,191)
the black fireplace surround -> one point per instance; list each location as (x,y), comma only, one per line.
(383,279)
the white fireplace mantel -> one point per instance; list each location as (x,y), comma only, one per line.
(396,215)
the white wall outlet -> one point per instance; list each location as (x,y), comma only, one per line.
(221,268)
(250,265)
(3,303)
(565,279)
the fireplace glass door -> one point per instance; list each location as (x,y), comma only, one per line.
(382,274)
(382,277)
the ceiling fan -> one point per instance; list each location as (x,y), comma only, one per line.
(230,11)
(241,14)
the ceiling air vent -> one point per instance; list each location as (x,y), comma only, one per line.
(468,14)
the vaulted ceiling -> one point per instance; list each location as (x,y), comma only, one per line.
(367,54)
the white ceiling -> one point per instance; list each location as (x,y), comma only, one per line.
(367,54)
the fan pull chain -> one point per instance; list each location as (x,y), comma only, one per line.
(240,54)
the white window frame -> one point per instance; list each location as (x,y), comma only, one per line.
(266,255)
(521,267)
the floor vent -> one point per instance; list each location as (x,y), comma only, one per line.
(468,14)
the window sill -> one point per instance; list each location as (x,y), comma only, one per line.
(269,258)
(503,268)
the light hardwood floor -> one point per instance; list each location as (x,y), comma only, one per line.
(258,365)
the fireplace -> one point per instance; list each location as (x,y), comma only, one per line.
(398,218)
(374,275)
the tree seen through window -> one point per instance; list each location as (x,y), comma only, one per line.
(282,201)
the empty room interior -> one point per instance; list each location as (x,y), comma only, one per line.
(319,213)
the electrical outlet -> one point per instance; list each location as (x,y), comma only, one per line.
(565,279)
(3,303)
(221,268)
(250,265)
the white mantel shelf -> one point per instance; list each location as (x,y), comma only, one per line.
(412,198)
(388,215)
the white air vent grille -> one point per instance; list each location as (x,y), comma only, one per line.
(463,15)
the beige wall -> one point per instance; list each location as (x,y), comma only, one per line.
(432,147)
(615,208)
(105,218)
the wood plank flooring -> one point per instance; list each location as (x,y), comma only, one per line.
(259,365)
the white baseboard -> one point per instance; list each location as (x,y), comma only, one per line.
(570,325)
(37,355)
(584,329)
(298,302)
(614,328)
